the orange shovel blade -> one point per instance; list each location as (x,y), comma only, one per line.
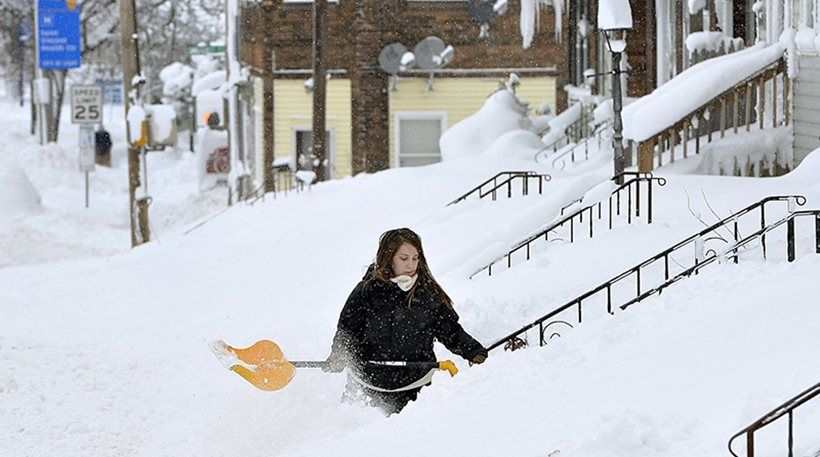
(266,367)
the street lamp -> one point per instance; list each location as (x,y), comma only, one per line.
(614,16)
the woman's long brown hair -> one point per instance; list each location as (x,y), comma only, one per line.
(389,243)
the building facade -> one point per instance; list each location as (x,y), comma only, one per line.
(375,122)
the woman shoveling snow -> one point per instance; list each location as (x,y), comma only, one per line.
(384,337)
(395,313)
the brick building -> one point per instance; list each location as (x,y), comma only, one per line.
(367,121)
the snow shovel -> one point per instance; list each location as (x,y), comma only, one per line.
(264,365)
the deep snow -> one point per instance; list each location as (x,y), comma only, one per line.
(107,356)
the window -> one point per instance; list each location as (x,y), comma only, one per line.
(417,135)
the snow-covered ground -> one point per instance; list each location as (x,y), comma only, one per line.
(106,354)
(61,227)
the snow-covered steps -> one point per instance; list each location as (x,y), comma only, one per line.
(786,409)
(507,183)
(585,214)
(718,243)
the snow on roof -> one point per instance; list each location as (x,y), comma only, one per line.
(694,87)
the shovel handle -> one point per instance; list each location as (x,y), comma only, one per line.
(308,363)
(445,365)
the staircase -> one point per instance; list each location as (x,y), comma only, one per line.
(786,409)
(720,242)
(625,200)
(503,184)
(283,182)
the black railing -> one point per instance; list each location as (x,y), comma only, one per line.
(786,408)
(702,257)
(559,160)
(503,183)
(632,187)
(283,182)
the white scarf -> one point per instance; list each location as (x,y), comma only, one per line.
(405,282)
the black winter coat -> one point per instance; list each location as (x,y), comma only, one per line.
(376,324)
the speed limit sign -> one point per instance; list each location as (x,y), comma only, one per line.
(86,104)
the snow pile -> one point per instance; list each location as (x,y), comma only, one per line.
(177,79)
(560,123)
(748,153)
(503,112)
(163,122)
(710,41)
(694,87)
(210,81)
(18,197)
(517,144)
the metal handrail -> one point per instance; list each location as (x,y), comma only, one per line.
(525,176)
(597,132)
(700,262)
(570,219)
(786,408)
(280,186)
(564,137)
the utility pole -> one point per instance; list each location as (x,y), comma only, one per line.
(319,89)
(238,178)
(138,207)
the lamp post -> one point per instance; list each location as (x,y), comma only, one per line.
(616,15)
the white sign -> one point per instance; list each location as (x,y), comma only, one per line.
(86,148)
(86,104)
(42,91)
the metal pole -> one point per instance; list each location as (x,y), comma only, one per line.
(790,239)
(86,189)
(319,88)
(617,128)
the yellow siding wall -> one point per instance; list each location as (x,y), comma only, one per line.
(460,97)
(293,107)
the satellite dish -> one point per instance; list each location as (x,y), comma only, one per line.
(390,59)
(482,10)
(426,50)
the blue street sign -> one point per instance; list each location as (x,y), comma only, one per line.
(58,26)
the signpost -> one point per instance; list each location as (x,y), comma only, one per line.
(86,110)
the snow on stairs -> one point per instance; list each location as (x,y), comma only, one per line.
(630,191)
(784,409)
(503,183)
(704,248)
